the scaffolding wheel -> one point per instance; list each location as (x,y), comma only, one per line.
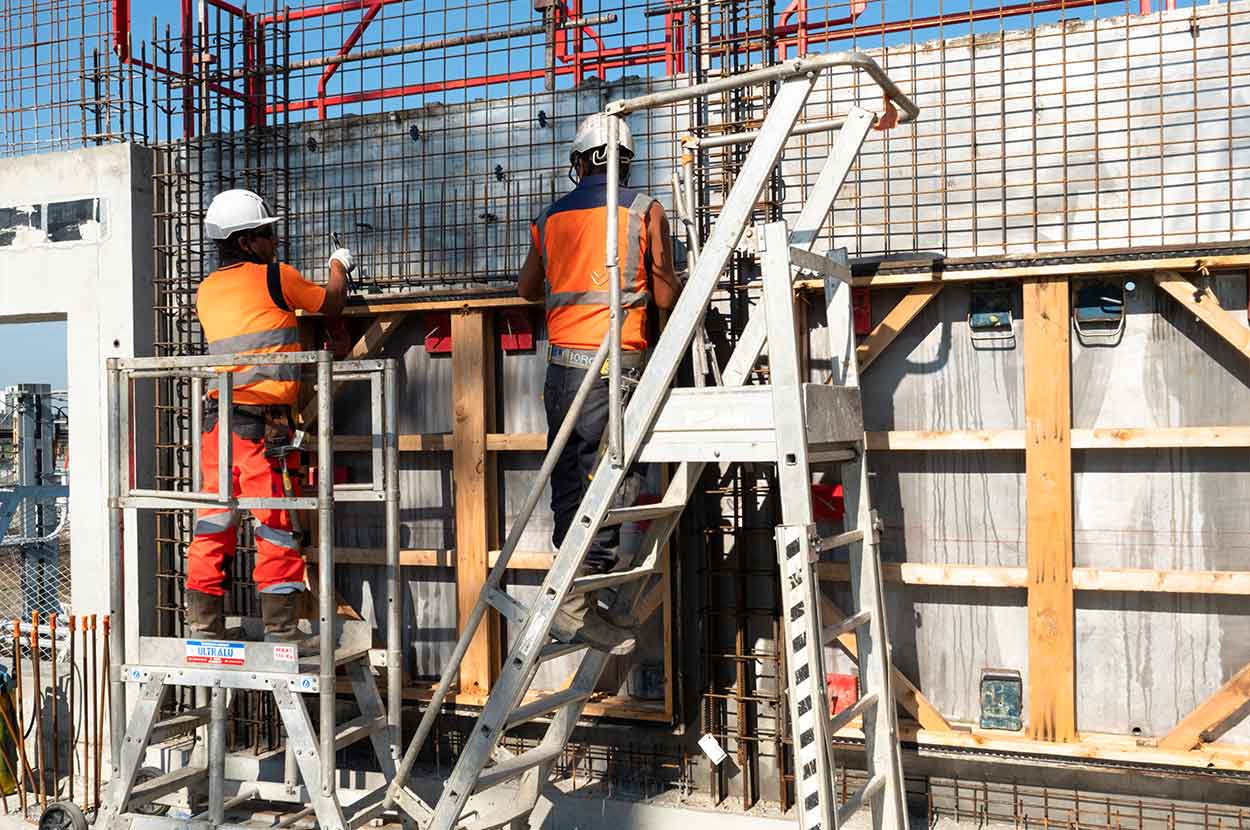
(62,815)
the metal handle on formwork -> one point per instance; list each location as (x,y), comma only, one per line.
(325,564)
(616,425)
(496,574)
(780,72)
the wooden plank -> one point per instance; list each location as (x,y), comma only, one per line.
(967,439)
(472,370)
(516,442)
(1126,580)
(1048,500)
(466,305)
(374,338)
(426,442)
(892,325)
(1062,270)
(1160,437)
(905,692)
(1213,717)
(1108,438)
(1206,307)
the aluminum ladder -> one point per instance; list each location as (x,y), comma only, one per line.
(789,423)
(151,666)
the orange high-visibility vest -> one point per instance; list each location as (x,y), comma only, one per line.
(570,235)
(239,315)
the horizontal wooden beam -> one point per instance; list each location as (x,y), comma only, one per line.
(1129,580)
(1126,749)
(1109,438)
(1076,270)
(455,304)
(441,442)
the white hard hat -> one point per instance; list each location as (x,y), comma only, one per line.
(592,134)
(232,211)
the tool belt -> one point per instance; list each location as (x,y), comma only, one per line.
(271,424)
(632,361)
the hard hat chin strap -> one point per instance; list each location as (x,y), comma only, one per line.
(598,157)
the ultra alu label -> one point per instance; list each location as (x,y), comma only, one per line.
(215,653)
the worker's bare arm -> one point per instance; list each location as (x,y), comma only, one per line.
(529,283)
(336,290)
(664,284)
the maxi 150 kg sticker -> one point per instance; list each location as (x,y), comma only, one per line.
(215,653)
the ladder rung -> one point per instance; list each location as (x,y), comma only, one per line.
(513,767)
(850,713)
(815,263)
(552,651)
(163,785)
(839,540)
(506,605)
(859,798)
(594,582)
(366,808)
(544,705)
(188,721)
(356,730)
(833,632)
(642,512)
(409,802)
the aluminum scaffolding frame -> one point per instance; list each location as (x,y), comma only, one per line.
(223,668)
(694,427)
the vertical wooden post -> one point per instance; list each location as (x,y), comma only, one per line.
(1048,495)
(472,369)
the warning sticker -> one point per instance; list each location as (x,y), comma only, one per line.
(215,653)
(285,654)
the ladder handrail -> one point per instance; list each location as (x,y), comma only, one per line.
(382,376)
(495,577)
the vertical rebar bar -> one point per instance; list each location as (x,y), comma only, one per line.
(41,757)
(56,720)
(69,705)
(19,712)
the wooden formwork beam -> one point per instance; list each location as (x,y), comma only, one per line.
(1216,715)
(892,325)
(1048,499)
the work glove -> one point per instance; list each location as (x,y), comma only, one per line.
(343,256)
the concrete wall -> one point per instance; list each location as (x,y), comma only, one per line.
(102,285)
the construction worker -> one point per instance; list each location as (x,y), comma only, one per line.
(566,264)
(247,306)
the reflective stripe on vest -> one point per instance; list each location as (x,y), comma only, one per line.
(255,340)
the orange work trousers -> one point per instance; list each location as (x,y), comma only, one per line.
(279,562)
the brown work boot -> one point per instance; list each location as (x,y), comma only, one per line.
(577,622)
(206,616)
(280,613)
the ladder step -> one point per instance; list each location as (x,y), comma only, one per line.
(409,802)
(642,512)
(839,540)
(366,808)
(545,705)
(585,584)
(356,730)
(833,632)
(859,798)
(850,713)
(188,721)
(163,785)
(805,260)
(506,605)
(513,767)
(553,651)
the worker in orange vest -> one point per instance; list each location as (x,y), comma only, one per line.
(247,306)
(566,266)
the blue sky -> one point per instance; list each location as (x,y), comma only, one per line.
(33,353)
